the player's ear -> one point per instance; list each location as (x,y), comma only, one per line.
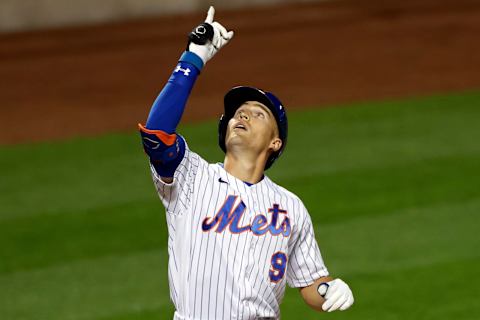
(275,144)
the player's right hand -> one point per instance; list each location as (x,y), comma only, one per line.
(337,294)
(209,37)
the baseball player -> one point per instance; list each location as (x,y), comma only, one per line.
(235,237)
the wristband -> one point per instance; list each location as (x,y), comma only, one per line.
(193,59)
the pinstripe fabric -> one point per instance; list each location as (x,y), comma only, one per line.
(223,275)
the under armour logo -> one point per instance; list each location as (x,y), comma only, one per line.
(186,71)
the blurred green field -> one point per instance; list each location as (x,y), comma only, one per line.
(392,187)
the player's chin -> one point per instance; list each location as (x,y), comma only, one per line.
(237,134)
(236,140)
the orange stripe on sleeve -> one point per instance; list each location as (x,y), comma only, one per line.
(166,138)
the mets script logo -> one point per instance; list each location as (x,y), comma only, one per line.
(230,216)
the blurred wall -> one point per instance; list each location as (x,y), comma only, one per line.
(34,14)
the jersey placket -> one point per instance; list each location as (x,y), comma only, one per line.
(253,210)
(239,189)
(248,218)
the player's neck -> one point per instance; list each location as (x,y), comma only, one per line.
(248,169)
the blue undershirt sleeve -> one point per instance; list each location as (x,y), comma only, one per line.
(168,108)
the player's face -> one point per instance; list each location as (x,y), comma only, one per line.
(253,125)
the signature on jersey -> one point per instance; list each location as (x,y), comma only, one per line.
(230,216)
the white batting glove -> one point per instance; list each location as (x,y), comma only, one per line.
(209,37)
(337,294)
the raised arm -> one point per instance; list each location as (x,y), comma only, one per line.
(160,141)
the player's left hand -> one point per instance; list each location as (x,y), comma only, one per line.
(337,294)
(208,38)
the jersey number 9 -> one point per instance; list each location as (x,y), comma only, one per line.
(279,264)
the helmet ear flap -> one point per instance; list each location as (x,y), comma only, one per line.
(271,160)
(222,131)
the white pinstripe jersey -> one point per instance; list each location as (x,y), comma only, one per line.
(227,258)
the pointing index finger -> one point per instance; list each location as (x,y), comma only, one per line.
(210,14)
